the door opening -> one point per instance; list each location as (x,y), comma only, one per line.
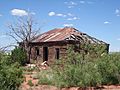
(57,53)
(45,54)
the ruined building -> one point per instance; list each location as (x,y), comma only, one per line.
(52,45)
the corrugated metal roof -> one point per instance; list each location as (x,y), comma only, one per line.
(67,33)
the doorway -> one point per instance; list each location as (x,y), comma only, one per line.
(57,53)
(45,54)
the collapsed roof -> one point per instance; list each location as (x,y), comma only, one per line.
(67,33)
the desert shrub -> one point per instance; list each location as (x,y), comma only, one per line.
(30,69)
(108,66)
(30,83)
(94,68)
(10,74)
(45,77)
(19,55)
(77,72)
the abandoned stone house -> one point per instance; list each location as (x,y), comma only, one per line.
(52,45)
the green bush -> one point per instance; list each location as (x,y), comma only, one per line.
(10,74)
(108,66)
(94,68)
(19,55)
(30,83)
(77,72)
(45,77)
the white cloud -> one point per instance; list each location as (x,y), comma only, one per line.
(76,18)
(69,19)
(60,15)
(82,2)
(70,14)
(65,2)
(64,15)
(73,18)
(117,12)
(51,13)
(70,4)
(86,2)
(89,2)
(118,39)
(106,22)
(19,12)
(67,25)
(33,13)
(56,14)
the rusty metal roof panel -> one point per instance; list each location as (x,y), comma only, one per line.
(67,33)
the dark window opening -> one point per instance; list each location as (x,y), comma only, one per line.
(37,51)
(57,56)
(45,53)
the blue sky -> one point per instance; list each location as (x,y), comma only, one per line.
(98,18)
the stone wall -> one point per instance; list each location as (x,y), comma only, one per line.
(51,53)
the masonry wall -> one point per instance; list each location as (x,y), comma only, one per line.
(51,53)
